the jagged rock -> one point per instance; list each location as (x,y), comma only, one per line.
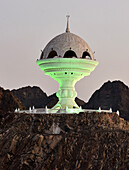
(88,141)
(113,95)
(31,96)
(8,102)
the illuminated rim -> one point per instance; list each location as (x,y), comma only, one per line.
(67,64)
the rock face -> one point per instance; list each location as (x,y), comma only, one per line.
(8,102)
(83,141)
(31,96)
(113,95)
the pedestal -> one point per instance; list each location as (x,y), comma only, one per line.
(66,93)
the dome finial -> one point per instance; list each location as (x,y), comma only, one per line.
(67,28)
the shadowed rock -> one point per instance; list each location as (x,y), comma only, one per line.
(31,96)
(113,95)
(8,102)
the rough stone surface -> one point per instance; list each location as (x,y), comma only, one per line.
(31,96)
(8,102)
(86,141)
(113,95)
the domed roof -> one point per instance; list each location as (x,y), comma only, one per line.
(65,44)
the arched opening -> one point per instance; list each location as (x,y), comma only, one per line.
(86,55)
(52,54)
(70,54)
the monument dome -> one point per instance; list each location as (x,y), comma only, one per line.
(67,45)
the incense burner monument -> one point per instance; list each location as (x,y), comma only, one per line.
(67,58)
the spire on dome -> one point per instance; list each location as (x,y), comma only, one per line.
(67,28)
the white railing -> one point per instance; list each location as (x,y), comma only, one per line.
(60,111)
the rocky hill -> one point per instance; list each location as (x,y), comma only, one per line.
(8,102)
(113,95)
(64,141)
(31,96)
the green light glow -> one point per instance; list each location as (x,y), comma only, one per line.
(67,71)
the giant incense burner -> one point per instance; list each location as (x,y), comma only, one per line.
(67,58)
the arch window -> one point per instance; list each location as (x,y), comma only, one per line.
(52,54)
(86,55)
(70,54)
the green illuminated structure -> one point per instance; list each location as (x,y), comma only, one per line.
(67,58)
